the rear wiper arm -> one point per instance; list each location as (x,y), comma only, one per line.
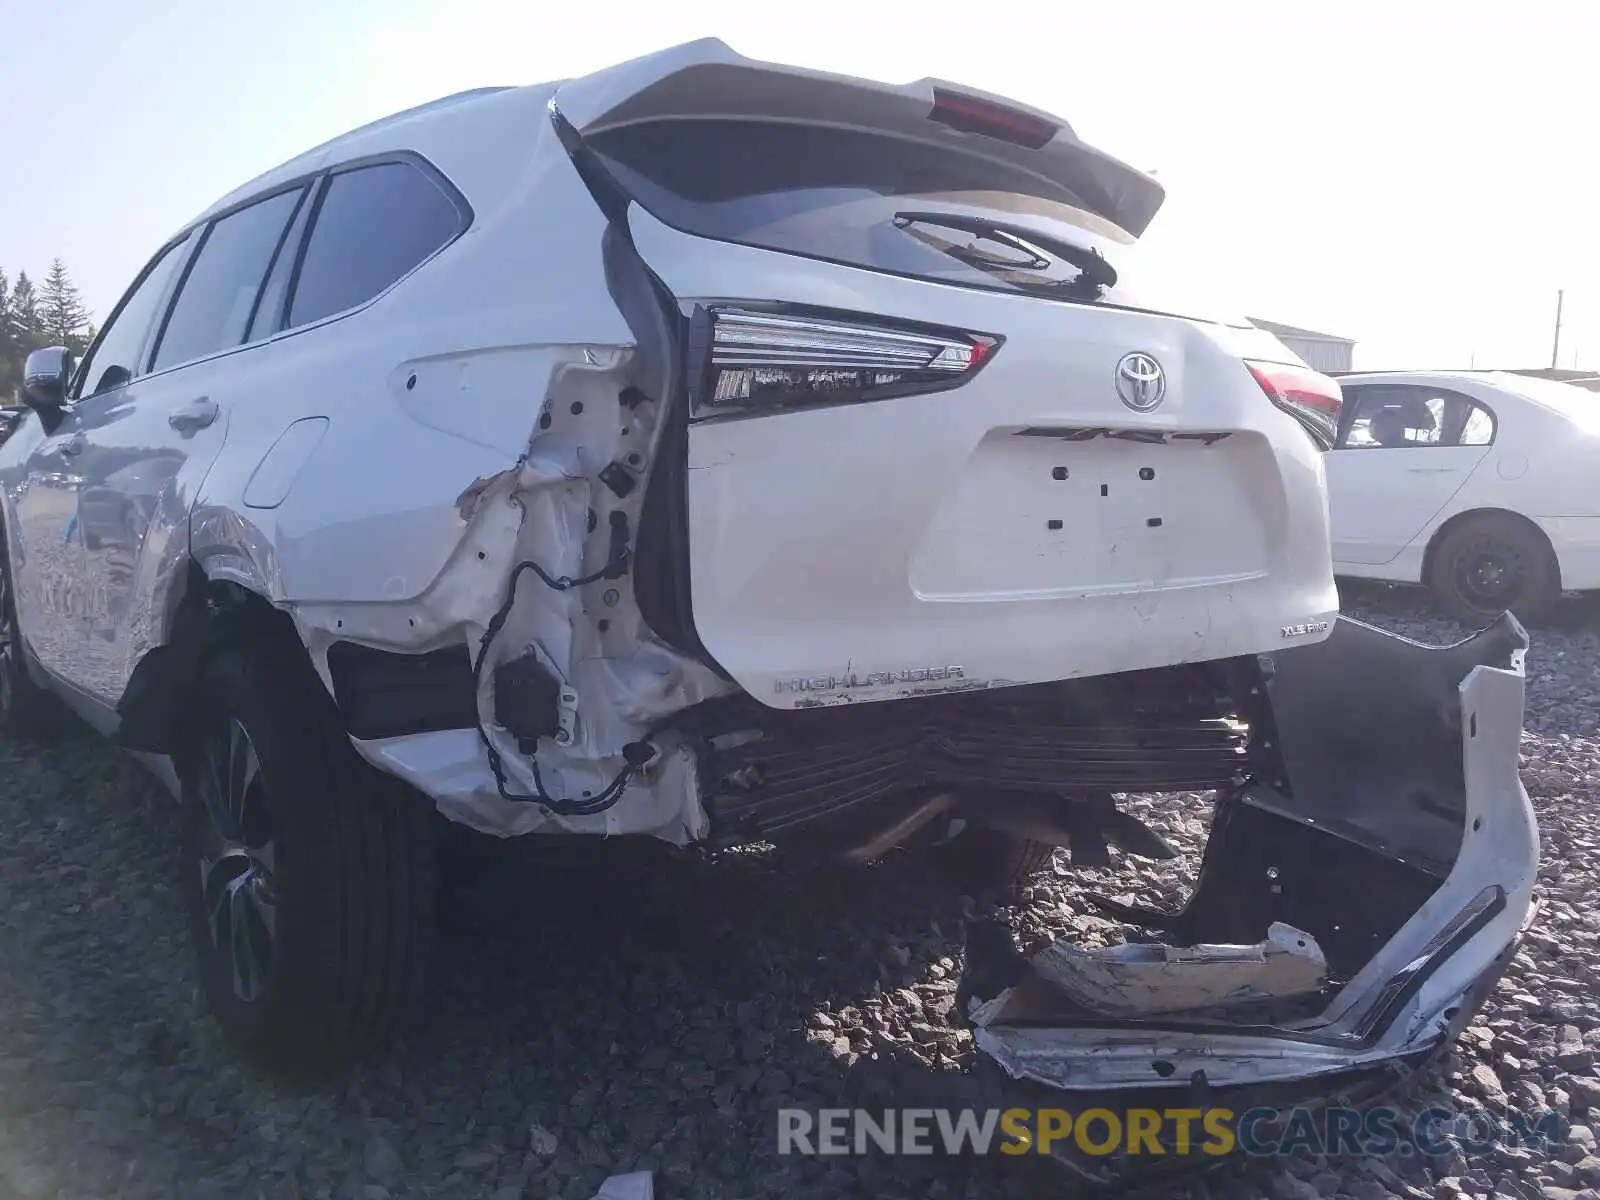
(1092,266)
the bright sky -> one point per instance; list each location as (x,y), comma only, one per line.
(1419,176)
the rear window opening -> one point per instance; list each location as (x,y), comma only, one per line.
(841,195)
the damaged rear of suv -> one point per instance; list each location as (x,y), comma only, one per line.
(727,453)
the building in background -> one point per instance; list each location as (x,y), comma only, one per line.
(1322,351)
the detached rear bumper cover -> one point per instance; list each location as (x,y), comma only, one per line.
(1402,797)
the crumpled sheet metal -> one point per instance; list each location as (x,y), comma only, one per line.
(1430,976)
(1139,980)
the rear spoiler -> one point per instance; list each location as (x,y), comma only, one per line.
(706,80)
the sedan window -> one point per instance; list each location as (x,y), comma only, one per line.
(1388,421)
(1479,428)
(1410,417)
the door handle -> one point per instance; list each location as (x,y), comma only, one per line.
(74,445)
(194,416)
(1432,470)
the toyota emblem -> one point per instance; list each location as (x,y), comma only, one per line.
(1141,383)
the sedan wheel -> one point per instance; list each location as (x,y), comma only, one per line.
(1491,563)
(1491,578)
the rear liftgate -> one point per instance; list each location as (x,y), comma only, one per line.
(1350,914)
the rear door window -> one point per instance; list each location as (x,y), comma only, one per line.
(374,224)
(1413,417)
(269,308)
(218,295)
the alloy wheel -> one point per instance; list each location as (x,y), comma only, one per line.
(238,859)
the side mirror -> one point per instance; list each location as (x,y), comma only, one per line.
(45,379)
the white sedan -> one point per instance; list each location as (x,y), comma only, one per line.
(1481,485)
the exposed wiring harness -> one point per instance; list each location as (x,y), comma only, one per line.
(635,754)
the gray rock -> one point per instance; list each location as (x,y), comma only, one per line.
(1367,1189)
(542,1142)
(1288,1187)
(1485,1083)
(476,1160)
(381,1160)
(1528,1098)
(1585,1091)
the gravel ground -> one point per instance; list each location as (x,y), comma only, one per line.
(655,1015)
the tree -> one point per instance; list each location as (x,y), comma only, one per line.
(30,318)
(64,318)
(23,332)
(10,346)
(26,320)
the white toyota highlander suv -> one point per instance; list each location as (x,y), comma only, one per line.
(729,453)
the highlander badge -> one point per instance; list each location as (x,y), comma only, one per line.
(837,683)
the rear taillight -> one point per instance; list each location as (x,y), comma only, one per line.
(756,362)
(1308,396)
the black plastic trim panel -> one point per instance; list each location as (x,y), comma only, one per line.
(383,694)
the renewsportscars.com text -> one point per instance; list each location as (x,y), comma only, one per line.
(1214,1131)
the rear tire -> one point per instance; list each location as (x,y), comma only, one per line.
(310,876)
(979,861)
(1491,563)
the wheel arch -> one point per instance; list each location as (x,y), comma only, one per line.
(151,711)
(1469,515)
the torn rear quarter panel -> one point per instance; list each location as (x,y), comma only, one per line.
(543,558)
(419,570)
(1401,840)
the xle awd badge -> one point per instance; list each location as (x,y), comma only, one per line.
(1141,383)
(1305,629)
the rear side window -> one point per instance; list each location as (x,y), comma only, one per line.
(1408,417)
(1479,428)
(843,195)
(374,224)
(219,293)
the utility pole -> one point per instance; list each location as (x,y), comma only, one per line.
(1555,350)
